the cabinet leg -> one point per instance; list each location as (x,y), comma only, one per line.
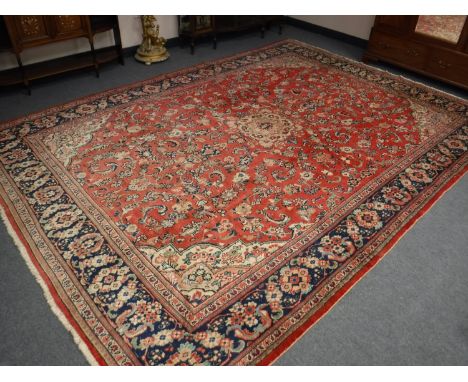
(95,61)
(262,33)
(215,42)
(118,41)
(23,73)
(280,28)
(192,46)
(121,57)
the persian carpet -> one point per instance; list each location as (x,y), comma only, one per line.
(212,215)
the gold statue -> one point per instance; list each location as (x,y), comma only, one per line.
(152,48)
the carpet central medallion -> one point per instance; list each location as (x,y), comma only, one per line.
(213,210)
(265,127)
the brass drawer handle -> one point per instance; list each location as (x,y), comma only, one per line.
(444,65)
(412,52)
(383,45)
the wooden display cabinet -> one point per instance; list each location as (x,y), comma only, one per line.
(436,46)
(24,32)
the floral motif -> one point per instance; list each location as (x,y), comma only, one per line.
(336,247)
(418,175)
(295,280)
(368,219)
(62,220)
(87,244)
(396,195)
(185,355)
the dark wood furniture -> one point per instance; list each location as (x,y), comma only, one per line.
(395,39)
(193,27)
(23,32)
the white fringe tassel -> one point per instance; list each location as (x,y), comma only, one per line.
(50,300)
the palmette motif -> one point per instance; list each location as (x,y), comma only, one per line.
(284,163)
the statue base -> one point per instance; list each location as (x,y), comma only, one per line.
(156,54)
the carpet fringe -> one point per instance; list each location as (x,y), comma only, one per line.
(47,295)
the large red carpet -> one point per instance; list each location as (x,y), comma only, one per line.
(212,215)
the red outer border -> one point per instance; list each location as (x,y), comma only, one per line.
(51,289)
(301,330)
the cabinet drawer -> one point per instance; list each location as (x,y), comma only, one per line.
(450,65)
(398,49)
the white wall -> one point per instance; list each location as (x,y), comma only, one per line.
(358,26)
(130,28)
(130,31)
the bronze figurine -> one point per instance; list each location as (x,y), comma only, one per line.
(152,48)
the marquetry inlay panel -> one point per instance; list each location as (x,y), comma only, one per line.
(67,24)
(31,27)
